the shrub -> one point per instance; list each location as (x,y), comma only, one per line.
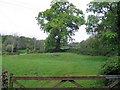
(9,53)
(111,67)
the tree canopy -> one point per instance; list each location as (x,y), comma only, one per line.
(60,22)
(105,21)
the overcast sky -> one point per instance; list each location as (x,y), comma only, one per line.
(18,17)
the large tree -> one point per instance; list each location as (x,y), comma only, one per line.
(105,22)
(60,22)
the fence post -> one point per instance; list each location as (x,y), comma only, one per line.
(11,81)
(4,79)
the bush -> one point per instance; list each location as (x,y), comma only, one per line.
(111,67)
(84,51)
(9,53)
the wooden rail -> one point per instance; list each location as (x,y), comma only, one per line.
(101,77)
(13,79)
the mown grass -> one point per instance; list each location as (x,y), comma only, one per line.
(53,64)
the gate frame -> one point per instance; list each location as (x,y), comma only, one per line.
(13,79)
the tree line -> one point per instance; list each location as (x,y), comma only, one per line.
(12,44)
(61,22)
(93,46)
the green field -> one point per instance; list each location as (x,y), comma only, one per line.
(53,64)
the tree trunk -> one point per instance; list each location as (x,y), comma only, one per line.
(12,48)
(57,48)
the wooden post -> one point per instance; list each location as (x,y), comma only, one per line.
(5,79)
(11,81)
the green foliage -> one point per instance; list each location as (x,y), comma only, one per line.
(20,44)
(111,67)
(93,46)
(91,25)
(9,48)
(105,22)
(60,21)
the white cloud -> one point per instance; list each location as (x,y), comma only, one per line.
(18,16)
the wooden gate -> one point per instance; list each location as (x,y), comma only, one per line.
(116,78)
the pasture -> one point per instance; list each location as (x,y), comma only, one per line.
(53,64)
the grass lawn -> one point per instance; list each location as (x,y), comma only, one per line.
(53,64)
